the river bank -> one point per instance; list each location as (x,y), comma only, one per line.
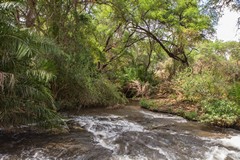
(186,109)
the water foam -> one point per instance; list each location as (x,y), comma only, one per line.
(163,116)
(127,157)
(221,149)
(107,129)
(162,152)
(233,141)
(36,153)
(221,153)
(4,157)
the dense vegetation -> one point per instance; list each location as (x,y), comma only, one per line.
(68,54)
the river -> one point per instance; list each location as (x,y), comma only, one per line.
(128,133)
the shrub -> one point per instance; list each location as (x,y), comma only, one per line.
(88,91)
(234,92)
(191,115)
(197,87)
(211,82)
(220,112)
(79,84)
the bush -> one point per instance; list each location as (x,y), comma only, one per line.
(106,93)
(220,112)
(213,83)
(88,91)
(79,84)
(148,104)
(191,115)
(234,93)
(198,87)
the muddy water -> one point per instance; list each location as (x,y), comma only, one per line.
(126,133)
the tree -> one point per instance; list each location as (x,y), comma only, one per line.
(77,82)
(25,73)
(174,25)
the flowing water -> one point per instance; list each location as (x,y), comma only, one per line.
(125,133)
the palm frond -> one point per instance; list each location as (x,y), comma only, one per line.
(26,71)
(9,5)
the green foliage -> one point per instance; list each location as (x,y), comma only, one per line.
(220,112)
(197,87)
(97,45)
(191,115)
(129,35)
(88,91)
(25,96)
(128,75)
(148,104)
(35,74)
(234,92)
(213,83)
(79,84)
